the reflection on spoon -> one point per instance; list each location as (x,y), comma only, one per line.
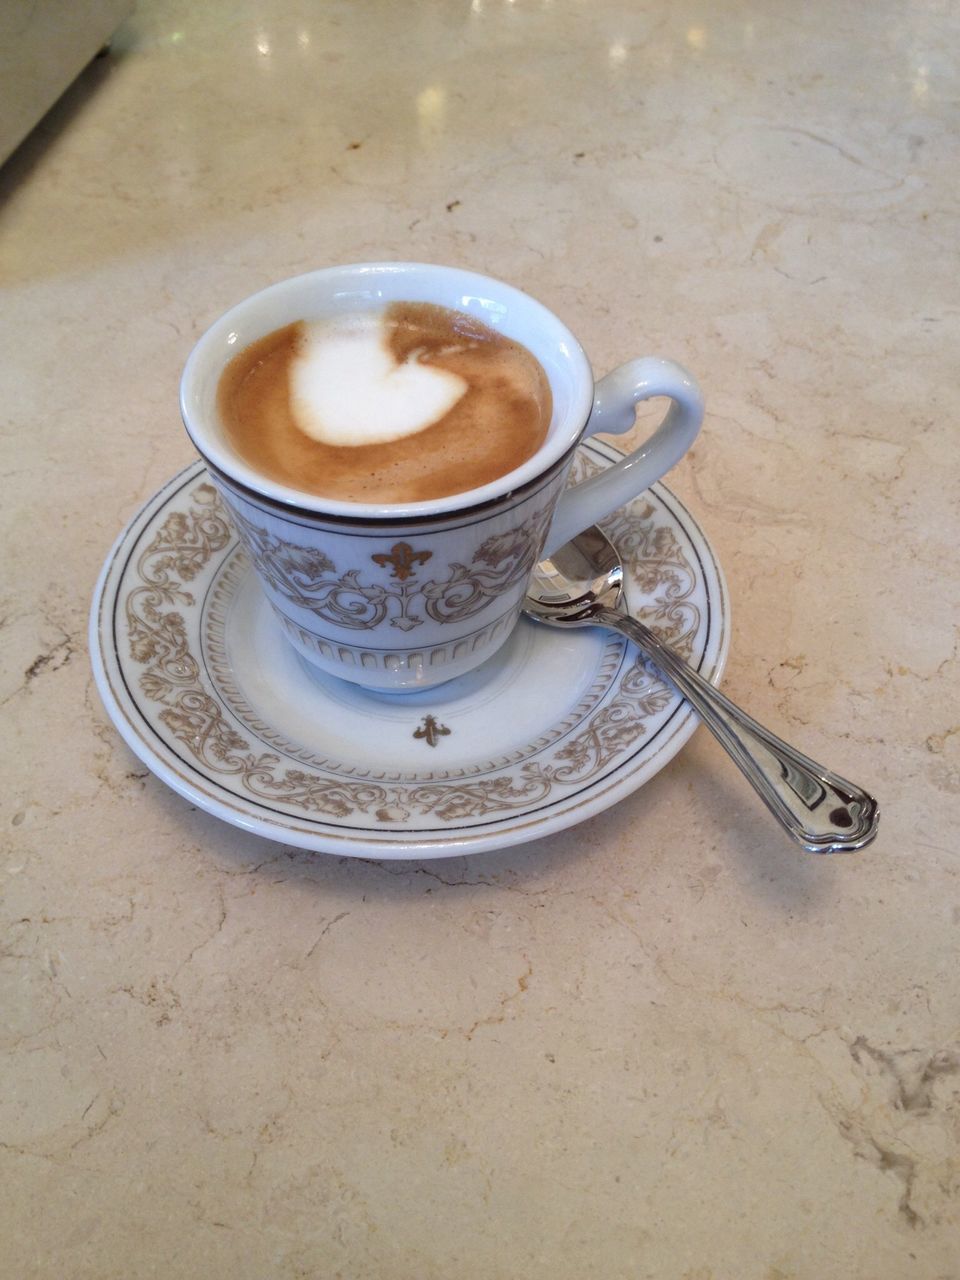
(581,585)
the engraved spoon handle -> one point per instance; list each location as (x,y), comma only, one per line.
(820,810)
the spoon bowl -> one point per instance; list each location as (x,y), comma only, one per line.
(583,575)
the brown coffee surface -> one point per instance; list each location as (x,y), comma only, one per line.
(500,421)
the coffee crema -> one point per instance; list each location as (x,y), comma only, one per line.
(412,403)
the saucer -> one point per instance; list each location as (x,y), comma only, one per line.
(557,726)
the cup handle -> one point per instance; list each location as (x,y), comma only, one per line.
(614,410)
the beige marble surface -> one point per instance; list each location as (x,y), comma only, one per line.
(662,1045)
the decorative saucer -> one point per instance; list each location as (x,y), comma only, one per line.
(557,726)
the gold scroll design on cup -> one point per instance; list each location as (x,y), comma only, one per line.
(159,641)
(307,577)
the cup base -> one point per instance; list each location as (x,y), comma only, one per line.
(398,671)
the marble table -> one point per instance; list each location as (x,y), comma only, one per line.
(663,1043)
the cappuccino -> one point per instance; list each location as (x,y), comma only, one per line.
(412,403)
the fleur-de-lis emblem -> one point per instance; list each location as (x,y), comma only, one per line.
(403,558)
(431,730)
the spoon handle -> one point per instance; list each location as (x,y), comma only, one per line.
(820,810)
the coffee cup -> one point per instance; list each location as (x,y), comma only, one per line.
(402,596)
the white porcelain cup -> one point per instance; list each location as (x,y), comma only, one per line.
(404,596)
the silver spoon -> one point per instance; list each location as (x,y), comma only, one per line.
(581,585)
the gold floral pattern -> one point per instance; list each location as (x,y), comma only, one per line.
(403,558)
(171,675)
(307,578)
(431,730)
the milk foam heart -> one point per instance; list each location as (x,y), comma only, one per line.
(373,381)
(348,388)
